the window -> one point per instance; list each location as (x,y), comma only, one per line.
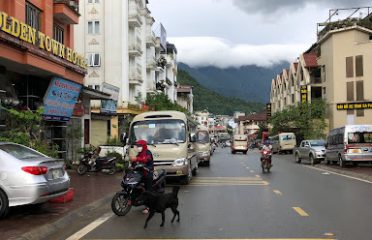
(90,86)
(58,34)
(97,87)
(350,95)
(94,60)
(359,66)
(33,16)
(109,128)
(359,91)
(93,27)
(349,67)
(93,1)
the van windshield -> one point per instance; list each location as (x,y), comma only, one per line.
(202,137)
(165,131)
(287,137)
(360,137)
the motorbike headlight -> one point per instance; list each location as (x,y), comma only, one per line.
(180,162)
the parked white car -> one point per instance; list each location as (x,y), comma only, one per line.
(29,177)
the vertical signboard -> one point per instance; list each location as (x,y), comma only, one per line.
(163,37)
(304,94)
(268,110)
(60,99)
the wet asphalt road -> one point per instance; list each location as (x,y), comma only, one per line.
(232,199)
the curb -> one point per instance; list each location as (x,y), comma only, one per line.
(46,230)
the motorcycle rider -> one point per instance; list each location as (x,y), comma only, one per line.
(144,156)
(266,147)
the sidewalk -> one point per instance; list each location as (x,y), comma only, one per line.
(89,190)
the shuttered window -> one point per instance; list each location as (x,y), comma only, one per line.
(350,95)
(359,91)
(349,67)
(359,66)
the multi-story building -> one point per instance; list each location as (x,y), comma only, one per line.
(185,97)
(333,69)
(38,63)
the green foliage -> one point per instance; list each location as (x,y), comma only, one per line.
(214,102)
(306,119)
(159,102)
(24,127)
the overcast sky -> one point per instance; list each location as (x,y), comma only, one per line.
(227,33)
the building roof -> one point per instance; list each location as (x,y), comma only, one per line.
(184,89)
(310,59)
(259,117)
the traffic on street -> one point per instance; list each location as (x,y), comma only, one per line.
(232,199)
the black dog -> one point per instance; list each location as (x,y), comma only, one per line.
(158,203)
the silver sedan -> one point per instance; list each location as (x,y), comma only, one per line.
(29,177)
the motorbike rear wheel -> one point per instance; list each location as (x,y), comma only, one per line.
(120,204)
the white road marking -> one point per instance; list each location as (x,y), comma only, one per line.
(326,173)
(300,212)
(277,192)
(78,235)
(339,174)
(251,171)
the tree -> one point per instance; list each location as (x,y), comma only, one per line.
(160,101)
(25,127)
(306,119)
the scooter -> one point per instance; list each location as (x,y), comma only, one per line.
(104,164)
(266,160)
(132,187)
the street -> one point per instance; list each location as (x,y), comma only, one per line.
(233,200)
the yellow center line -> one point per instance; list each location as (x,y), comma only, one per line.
(300,211)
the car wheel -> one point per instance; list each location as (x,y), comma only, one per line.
(208,163)
(297,158)
(233,152)
(4,205)
(312,160)
(245,152)
(341,162)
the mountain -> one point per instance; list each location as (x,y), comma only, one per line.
(250,83)
(215,102)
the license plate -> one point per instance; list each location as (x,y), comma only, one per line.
(56,173)
(179,172)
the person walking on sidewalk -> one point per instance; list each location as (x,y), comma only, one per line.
(145,157)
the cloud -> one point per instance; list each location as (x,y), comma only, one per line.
(270,6)
(212,51)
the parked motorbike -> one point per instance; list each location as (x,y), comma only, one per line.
(133,186)
(266,160)
(104,164)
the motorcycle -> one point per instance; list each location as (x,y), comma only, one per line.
(133,186)
(104,164)
(266,160)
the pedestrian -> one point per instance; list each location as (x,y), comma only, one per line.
(144,156)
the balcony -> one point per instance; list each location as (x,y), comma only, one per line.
(135,49)
(151,40)
(135,77)
(151,63)
(66,11)
(134,18)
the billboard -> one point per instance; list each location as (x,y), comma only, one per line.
(60,99)
(303,94)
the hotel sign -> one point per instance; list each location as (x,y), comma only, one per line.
(26,33)
(268,110)
(354,106)
(303,94)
